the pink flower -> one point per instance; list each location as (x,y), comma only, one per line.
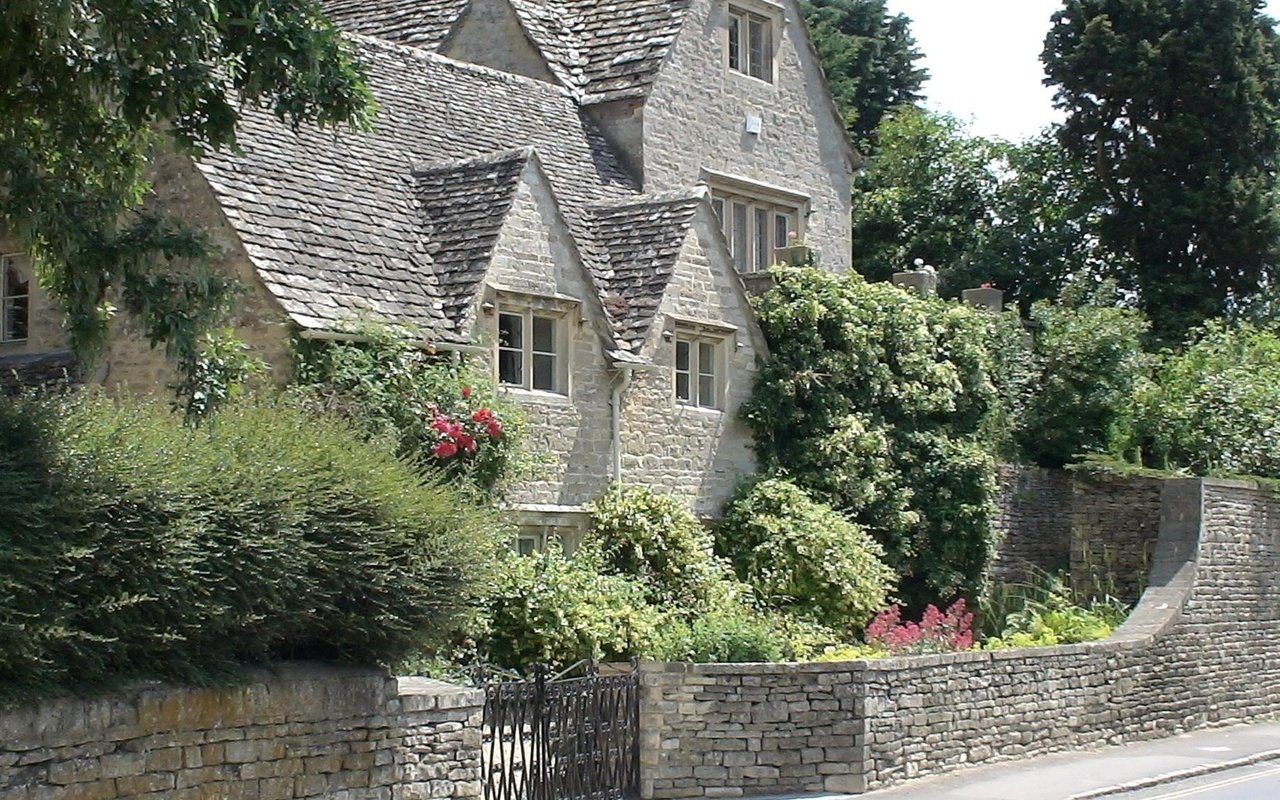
(986,286)
(482,415)
(441,424)
(467,442)
(466,392)
(494,428)
(445,450)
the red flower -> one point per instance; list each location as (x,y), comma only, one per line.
(441,424)
(445,450)
(482,415)
(495,428)
(466,392)
(467,442)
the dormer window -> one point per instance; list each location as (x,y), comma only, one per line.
(531,350)
(750,45)
(754,228)
(15,299)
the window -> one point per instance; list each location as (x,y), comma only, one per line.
(530,354)
(531,539)
(750,44)
(15,300)
(698,371)
(754,229)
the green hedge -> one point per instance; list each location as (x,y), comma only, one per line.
(135,546)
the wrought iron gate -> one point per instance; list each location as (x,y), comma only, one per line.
(568,736)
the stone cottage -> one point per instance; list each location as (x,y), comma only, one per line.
(578,191)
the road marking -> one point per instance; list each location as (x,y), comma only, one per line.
(1216,785)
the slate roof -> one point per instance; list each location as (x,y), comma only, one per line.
(603,50)
(464,205)
(639,243)
(398,222)
(420,23)
(38,371)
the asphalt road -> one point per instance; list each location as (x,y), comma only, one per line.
(1256,782)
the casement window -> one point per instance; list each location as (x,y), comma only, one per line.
(531,539)
(15,299)
(699,370)
(754,229)
(531,350)
(750,43)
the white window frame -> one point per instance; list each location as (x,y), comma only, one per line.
(532,538)
(699,365)
(528,354)
(740,16)
(17,262)
(752,249)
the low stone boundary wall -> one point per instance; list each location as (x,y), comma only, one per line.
(306,732)
(1200,649)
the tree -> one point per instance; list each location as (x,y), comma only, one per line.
(90,91)
(978,210)
(1173,112)
(870,60)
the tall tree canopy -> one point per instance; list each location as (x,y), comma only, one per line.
(870,60)
(89,91)
(1173,114)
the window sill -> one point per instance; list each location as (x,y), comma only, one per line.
(536,396)
(750,78)
(705,411)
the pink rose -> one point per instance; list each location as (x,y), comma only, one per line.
(445,450)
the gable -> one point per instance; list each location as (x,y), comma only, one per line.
(490,33)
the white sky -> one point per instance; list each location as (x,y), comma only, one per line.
(984,60)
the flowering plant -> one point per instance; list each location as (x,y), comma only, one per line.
(458,431)
(937,631)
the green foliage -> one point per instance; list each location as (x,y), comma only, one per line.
(90,91)
(135,546)
(1214,407)
(870,59)
(802,557)
(1045,611)
(879,404)
(220,374)
(1173,115)
(979,211)
(1091,363)
(656,539)
(393,390)
(551,609)
(730,635)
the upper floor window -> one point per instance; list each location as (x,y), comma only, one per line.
(15,299)
(751,43)
(699,373)
(531,350)
(755,229)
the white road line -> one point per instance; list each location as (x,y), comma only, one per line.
(1217,785)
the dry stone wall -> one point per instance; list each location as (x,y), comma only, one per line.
(1199,650)
(1032,522)
(305,733)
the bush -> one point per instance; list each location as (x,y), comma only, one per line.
(724,635)
(441,413)
(1215,407)
(1091,363)
(937,631)
(134,546)
(802,557)
(872,393)
(1047,611)
(656,539)
(551,609)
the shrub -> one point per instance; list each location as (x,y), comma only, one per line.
(1046,611)
(869,395)
(135,546)
(730,634)
(656,539)
(802,557)
(1091,363)
(1215,406)
(439,412)
(937,631)
(551,609)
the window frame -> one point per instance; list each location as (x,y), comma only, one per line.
(16,262)
(739,55)
(746,254)
(528,351)
(696,368)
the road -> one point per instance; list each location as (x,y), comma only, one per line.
(1256,782)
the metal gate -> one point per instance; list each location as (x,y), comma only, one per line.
(573,735)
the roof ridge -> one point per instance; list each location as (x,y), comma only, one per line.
(485,159)
(655,199)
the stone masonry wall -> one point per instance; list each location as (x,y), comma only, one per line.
(1114,524)
(308,732)
(1032,522)
(1199,650)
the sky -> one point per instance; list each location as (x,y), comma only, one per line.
(983,57)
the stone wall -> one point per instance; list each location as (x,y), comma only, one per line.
(307,732)
(1114,524)
(1199,650)
(1032,522)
